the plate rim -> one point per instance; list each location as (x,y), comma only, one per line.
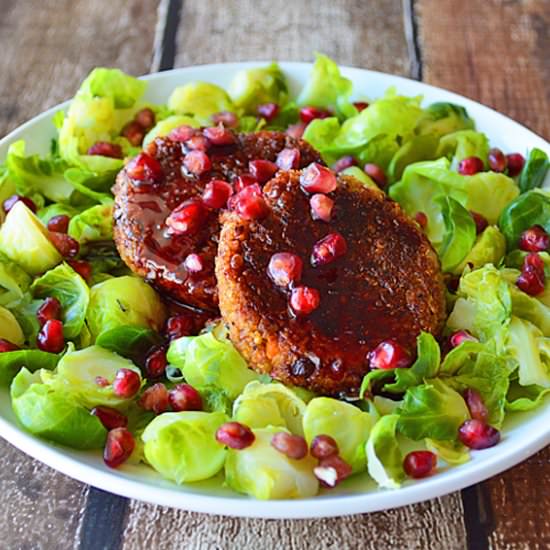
(320,506)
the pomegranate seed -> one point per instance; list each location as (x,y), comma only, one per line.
(134,132)
(304,300)
(480,221)
(194,263)
(197,143)
(461,336)
(476,434)
(216,193)
(6,345)
(197,162)
(421,219)
(219,135)
(376,174)
(185,397)
(307,114)
(10,202)
(389,354)
(419,464)
(288,159)
(229,120)
(531,279)
(328,249)
(534,239)
(178,326)
(50,309)
(321,207)
(262,170)
(110,418)
(118,447)
(470,166)
(182,133)
(155,364)
(82,267)
(106,149)
(242,181)
(296,130)
(497,160)
(50,338)
(292,446)
(145,118)
(59,224)
(101,381)
(360,105)
(284,268)
(475,404)
(66,246)
(187,218)
(344,162)
(126,383)
(235,435)
(145,168)
(332,470)
(155,399)
(323,446)
(249,203)
(268,111)
(515,163)
(318,179)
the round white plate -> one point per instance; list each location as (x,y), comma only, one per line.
(523,435)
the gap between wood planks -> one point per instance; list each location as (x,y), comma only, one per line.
(104,517)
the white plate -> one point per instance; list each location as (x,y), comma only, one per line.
(523,435)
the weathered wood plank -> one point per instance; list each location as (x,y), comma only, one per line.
(494,51)
(435,525)
(497,52)
(368,34)
(47,47)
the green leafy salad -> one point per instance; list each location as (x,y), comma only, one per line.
(95,359)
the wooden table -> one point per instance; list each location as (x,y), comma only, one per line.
(497,52)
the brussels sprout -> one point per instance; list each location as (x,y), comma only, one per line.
(77,372)
(32,359)
(451,452)
(535,170)
(357,173)
(347,424)
(208,361)
(463,144)
(124,301)
(489,249)
(164,127)
(262,405)
(252,87)
(200,100)
(380,150)
(265,473)
(24,240)
(384,458)
(52,413)
(7,188)
(9,327)
(419,148)
(182,446)
(444,118)
(525,398)
(94,224)
(14,282)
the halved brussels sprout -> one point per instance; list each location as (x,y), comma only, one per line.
(261,405)
(200,100)
(14,282)
(9,327)
(78,370)
(24,240)
(164,127)
(443,118)
(265,473)
(347,424)
(124,301)
(182,446)
(489,249)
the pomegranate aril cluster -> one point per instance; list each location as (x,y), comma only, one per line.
(532,278)
(136,129)
(331,468)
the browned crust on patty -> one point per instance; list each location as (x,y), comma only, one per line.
(140,213)
(388,285)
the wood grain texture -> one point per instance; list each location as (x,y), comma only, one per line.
(364,33)
(435,525)
(495,51)
(49,46)
(39,508)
